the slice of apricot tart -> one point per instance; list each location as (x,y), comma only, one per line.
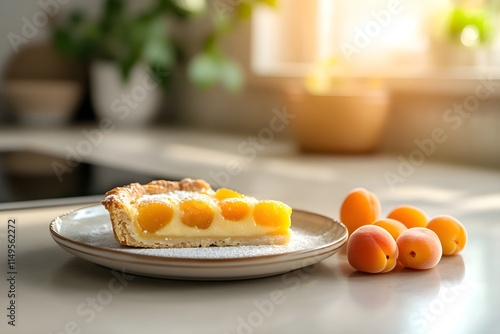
(189,213)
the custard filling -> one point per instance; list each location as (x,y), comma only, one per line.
(212,214)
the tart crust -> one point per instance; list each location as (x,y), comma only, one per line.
(120,203)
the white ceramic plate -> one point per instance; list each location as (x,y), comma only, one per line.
(87,233)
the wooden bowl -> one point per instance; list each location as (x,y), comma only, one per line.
(43,102)
(344,121)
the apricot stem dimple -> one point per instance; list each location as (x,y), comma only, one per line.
(413,254)
(451,233)
(372,249)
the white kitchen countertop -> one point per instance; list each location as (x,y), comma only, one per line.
(55,290)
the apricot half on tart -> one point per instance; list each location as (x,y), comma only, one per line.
(189,213)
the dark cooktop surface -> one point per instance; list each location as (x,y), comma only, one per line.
(29,176)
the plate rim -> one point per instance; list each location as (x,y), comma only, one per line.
(297,255)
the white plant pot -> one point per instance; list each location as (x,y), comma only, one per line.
(132,103)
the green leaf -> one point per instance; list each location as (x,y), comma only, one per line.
(203,70)
(152,37)
(209,68)
(482,22)
(191,7)
(244,10)
(77,40)
(161,74)
(76,17)
(159,51)
(182,8)
(271,3)
(113,13)
(461,18)
(231,75)
(127,65)
(64,43)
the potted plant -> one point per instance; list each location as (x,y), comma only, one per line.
(460,34)
(132,54)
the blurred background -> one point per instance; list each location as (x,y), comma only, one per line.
(414,79)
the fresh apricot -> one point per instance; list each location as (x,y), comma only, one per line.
(450,232)
(371,249)
(393,226)
(409,215)
(419,248)
(360,207)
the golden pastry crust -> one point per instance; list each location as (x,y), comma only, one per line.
(134,191)
(120,203)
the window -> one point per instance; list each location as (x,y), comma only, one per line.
(382,38)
